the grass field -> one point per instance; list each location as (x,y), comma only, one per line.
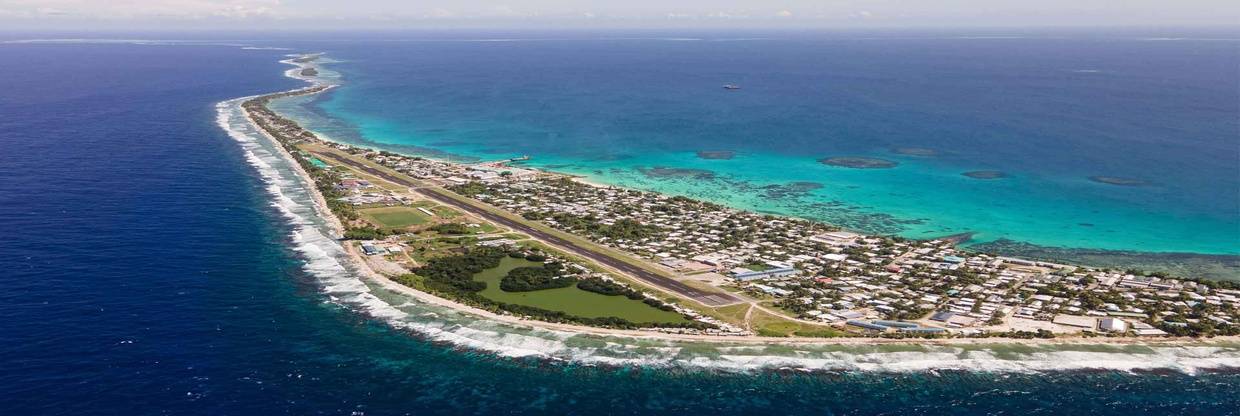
(769,325)
(757,267)
(733,313)
(571,300)
(439,210)
(395,217)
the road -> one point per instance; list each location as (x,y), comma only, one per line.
(438,194)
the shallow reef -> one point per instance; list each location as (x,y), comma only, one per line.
(663,172)
(986,174)
(859,162)
(716,154)
(1118,181)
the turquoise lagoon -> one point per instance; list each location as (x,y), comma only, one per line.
(635,112)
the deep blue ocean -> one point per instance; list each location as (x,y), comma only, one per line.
(146,271)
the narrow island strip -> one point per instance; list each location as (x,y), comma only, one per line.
(537,248)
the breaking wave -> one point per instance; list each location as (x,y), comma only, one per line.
(314,239)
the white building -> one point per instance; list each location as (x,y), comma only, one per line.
(836,238)
(1113,325)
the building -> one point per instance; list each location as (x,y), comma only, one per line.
(835,257)
(503,242)
(745,275)
(1146,330)
(836,238)
(1087,322)
(776,270)
(714,259)
(1113,325)
(942,316)
(897,324)
(867,326)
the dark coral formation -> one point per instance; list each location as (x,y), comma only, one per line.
(663,172)
(859,162)
(716,154)
(1119,181)
(986,174)
(791,190)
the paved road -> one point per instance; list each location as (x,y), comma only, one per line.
(667,283)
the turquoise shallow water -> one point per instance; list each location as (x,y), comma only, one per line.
(1048,111)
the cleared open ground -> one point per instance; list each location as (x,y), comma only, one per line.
(570,300)
(395,217)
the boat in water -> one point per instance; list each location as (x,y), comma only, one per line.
(731,87)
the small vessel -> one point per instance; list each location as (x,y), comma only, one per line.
(731,87)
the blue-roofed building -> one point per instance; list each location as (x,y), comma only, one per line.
(942,316)
(745,275)
(953,259)
(896,324)
(868,326)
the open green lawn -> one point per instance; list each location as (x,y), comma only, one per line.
(769,325)
(733,313)
(571,300)
(757,267)
(395,217)
(484,228)
(421,250)
(439,210)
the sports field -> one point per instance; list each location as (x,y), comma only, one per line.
(395,217)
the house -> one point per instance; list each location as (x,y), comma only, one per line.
(835,257)
(715,259)
(1113,325)
(836,238)
(953,259)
